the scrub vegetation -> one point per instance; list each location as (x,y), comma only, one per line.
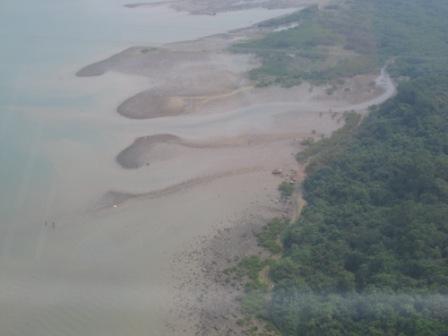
(369,253)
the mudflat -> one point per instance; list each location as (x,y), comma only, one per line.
(141,260)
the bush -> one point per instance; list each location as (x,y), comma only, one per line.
(286,189)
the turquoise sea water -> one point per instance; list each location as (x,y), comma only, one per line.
(43,44)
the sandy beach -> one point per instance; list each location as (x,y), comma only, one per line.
(201,142)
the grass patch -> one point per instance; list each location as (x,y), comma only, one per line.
(358,37)
(249,271)
(249,268)
(321,48)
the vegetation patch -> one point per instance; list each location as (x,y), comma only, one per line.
(250,271)
(269,237)
(253,273)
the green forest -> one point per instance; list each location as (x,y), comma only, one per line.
(369,254)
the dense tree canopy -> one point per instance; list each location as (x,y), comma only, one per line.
(369,255)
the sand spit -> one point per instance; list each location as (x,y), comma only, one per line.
(212,7)
(154,62)
(182,78)
(130,157)
(143,151)
(158,103)
(115,198)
